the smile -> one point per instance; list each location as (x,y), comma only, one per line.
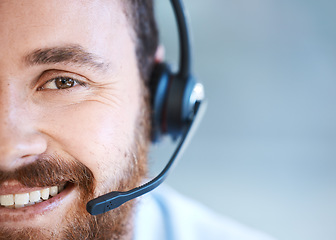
(20,200)
(26,206)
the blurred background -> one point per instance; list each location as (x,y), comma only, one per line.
(265,152)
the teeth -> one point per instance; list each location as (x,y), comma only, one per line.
(34,196)
(7,200)
(53,191)
(45,194)
(20,200)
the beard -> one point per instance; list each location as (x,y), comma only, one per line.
(52,170)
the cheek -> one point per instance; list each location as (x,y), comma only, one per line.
(98,135)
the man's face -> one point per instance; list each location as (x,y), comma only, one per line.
(70,95)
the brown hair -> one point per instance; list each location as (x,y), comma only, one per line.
(141,17)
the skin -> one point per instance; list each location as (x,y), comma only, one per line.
(93,122)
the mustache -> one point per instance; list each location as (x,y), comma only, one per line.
(49,171)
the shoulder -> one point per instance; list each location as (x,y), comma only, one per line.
(165,214)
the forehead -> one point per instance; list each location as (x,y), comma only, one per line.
(28,25)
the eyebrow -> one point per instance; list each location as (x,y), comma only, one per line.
(69,54)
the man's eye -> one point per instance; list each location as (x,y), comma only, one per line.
(60,83)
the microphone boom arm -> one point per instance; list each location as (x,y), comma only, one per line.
(114,199)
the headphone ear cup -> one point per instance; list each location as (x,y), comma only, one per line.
(180,105)
(159,86)
(172,102)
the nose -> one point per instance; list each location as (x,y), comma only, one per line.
(18,150)
(20,141)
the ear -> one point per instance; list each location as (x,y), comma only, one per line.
(159,54)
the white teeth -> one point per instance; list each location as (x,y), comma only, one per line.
(53,191)
(27,199)
(45,194)
(21,199)
(34,196)
(7,200)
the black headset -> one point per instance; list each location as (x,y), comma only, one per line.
(176,100)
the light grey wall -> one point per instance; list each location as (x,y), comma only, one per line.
(265,152)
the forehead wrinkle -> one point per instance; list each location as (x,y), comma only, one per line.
(69,54)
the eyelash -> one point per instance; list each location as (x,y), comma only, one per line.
(75,82)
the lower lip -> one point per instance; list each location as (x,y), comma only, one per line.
(30,212)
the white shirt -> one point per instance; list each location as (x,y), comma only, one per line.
(163,214)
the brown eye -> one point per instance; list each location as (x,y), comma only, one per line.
(60,83)
(63,83)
